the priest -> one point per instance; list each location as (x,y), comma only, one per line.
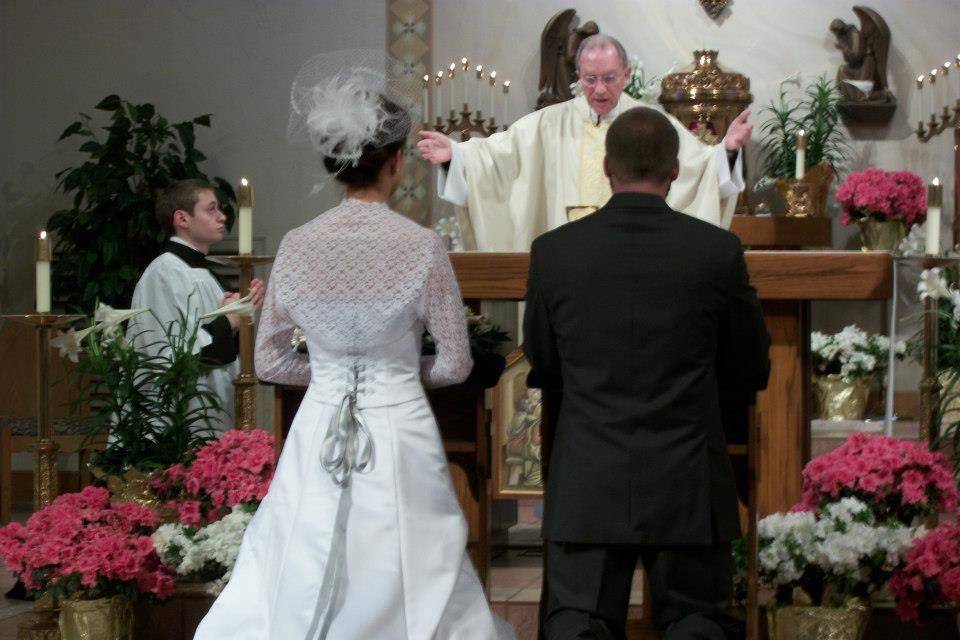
(547,168)
(179,281)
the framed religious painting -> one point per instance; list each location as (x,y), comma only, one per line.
(517,471)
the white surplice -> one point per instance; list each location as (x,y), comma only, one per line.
(519,183)
(170,286)
(382,554)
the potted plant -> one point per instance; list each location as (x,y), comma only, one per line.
(110,233)
(817,114)
(94,555)
(884,204)
(215,493)
(930,573)
(152,408)
(847,366)
(861,511)
(824,565)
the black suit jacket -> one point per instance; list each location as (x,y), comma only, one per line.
(638,314)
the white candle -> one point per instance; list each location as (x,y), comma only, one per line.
(493,90)
(944,80)
(425,101)
(464,67)
(801,158)
(920,96)
(504,100)
(934,201)
(934,91)
(245,217)
(477,85)
(438,95)
(451,73)
(44,254)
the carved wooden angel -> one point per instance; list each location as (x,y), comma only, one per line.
(558,51)
(863,76)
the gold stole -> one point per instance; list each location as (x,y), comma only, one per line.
(594,185)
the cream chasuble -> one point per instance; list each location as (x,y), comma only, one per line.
(547,168)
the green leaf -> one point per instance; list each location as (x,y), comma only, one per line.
(185,131)
(110,103)
(71,130)
(90,147)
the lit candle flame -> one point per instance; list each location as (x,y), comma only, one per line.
(43,235)
(464,64)
(935,182)
(493,78)
(506,86)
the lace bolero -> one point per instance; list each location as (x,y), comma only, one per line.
(357,277)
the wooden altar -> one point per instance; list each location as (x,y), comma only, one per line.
(787,282)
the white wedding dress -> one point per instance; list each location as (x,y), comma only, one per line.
(361,535)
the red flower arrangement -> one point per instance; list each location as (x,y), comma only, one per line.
(883,195)
(236,469)
(930,573)
(82,546)
(897,478)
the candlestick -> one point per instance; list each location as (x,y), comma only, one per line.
(801,157)
(934,202)
(245,217)
(493,84)
(437,94)
(43,256)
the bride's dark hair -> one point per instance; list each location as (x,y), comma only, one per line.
(375,155)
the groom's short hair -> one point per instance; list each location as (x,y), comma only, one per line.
(642,145)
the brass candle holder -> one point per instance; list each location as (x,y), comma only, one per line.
(468,124)
(797,201)
(244,385)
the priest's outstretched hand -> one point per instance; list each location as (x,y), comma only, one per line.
(738,133)
(435,147)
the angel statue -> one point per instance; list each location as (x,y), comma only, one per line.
(863,76)
(558,53)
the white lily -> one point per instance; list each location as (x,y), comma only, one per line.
(241,307)
(932,285)
(109,319)
(70,342)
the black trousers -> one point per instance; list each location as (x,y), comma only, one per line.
(589,591)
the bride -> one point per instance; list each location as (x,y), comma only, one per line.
(361,535)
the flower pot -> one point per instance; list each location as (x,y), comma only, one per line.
(881,235)
(839,400)
(819,177)
(818,623)
(101,619)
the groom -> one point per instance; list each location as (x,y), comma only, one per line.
(640,317)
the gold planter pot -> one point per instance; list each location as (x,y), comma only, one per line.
(101,619)
(818,623)
(819,178)
(839,400)
(877,235)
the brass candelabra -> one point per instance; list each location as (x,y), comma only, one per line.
(468,124)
